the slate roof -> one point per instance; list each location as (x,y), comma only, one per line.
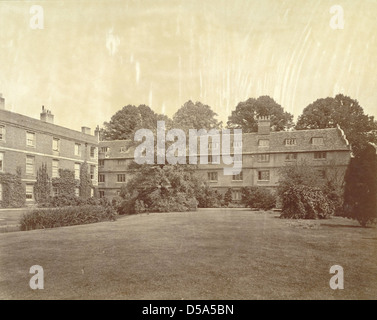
(333,140)
(16,119)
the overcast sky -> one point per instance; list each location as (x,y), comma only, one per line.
(93,57)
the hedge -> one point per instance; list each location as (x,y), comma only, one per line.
(67,216)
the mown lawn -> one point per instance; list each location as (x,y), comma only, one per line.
(209,254)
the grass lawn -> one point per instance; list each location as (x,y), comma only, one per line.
(209,254)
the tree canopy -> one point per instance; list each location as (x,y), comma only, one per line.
(344,111)
(195,116)
(126,121)
(246,114)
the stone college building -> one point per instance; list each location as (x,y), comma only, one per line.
(26,143)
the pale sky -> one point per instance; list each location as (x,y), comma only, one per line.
(93,57)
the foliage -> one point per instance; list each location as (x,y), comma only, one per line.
(360,195)
(246,114)
(66,183)
(195,116)
(228,197)
(258,197)
(305,202)
(62,200)
(344,111)
(67,216)
(301,181)
(126,121)
(157,188)
(42,187)
(13,190)
(85,181)
(298,173)
(208,197)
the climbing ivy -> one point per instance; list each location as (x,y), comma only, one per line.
(14,193)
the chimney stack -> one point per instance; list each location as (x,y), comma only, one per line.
(2,102)
(85,130)
(47,116)
(97,133)
(264,123)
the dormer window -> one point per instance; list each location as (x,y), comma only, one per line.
(104,149)
(317,141)
(290,142)
(264,143)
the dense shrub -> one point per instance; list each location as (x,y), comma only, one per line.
(67,216)
(65,184)
(360,196)
(227,197)
(258,197)
(208,197)
(71,200)
(172,203)
(42,187)
(305,202)
(13,190)
(160,188)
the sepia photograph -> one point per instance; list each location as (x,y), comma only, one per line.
(195,151)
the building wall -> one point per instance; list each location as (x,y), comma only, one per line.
(15,150)
(333,145)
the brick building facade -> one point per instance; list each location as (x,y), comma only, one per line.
(26,143)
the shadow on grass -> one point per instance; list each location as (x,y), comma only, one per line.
(342,226)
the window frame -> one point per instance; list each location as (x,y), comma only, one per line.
(317,144)
(29,193)
(239,175)
(2,157)
(289,158)
(55,168)
(77,170)
(30,164)
(259,157)
(33,140)
(209,176)
(260,144)
(290,142)
(260,172)
(320,155)
(78,145)
(57,144)
(122,176)
(2,132)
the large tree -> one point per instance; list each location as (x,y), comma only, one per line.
(126,121)
(345,112)
(246,114)
(195,116)
(360,195)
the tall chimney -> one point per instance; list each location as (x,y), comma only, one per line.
(47,116)
(2,102)
(85,130)
(264,123)
(97,133)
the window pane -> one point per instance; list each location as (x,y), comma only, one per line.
(30,139)
(1,161)
(2,133)
(55,168)
(55,144)
(264,143)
